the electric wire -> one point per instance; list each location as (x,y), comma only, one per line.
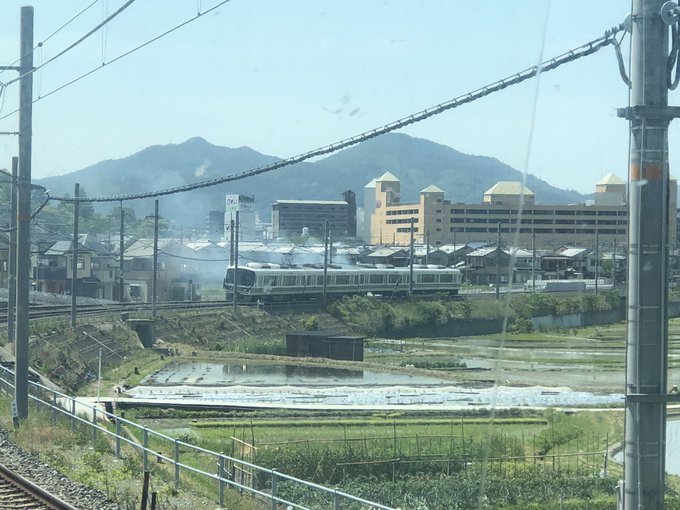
(41,43)
(673,62)
(73,45)
(549,65)
(121,56)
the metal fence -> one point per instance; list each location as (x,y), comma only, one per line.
(184,458)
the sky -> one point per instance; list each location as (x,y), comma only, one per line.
(285,77)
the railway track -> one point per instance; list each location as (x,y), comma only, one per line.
(18,492)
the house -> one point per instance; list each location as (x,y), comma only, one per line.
(105,269)
(53,270)
(177,270)
(395,256)
(483,264)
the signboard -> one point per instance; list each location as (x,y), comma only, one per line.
(243,203)
(232,203)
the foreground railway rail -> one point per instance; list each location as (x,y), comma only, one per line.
(19,492)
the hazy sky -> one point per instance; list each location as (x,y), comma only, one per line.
(284,77)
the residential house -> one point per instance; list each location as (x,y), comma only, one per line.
(177,269)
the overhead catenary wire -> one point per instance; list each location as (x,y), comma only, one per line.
(121,56)
(549,65)
(76,43)
(64,25)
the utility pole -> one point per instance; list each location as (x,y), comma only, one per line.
(410,262)
(325,260)
(330,245)
(74,260)
(533,260)
(614,265)
(427,247)
(597,258)
(24,213)
(236,229)
(647,322)
(498,263)
(154,281)
(231,241)
(121,252)
(12,255)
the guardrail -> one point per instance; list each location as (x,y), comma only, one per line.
(179,454)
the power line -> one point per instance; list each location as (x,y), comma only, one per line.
(579,52)
(73,45)
(41,43)
(121,56)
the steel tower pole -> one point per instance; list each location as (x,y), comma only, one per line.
(647,317)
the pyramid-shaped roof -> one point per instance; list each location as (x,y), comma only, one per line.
(387,176)
(432,189)
(508,188)
(371,184)
(611,178)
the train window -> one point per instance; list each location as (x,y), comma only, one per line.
(446,278)
(289,281)
(428,278)
(377,278)
(310,280)
(393,278)
(269,281)
(342,279)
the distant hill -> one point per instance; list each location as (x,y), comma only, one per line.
(416,162)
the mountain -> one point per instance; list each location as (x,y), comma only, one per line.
(417,162)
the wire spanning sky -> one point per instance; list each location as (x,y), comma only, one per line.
(286,77)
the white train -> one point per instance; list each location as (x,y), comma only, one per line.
(270,282)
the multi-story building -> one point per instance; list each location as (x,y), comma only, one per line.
(506,206)
(293,217)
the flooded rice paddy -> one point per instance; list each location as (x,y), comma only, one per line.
(290,384)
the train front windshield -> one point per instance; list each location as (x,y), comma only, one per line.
(246,278)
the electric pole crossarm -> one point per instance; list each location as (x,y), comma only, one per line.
(640,112)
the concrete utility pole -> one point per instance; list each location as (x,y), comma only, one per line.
(231,241)
(12,255)
(498,264)
(24,213)
(597,259)
(154,281)
(647,330)
(121,252)
(325,260)
(533,260)
(410,261)
(427,248)
(74,260)
(235,301)
(330,245)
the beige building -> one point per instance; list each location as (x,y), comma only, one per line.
(391,220)
(602,221)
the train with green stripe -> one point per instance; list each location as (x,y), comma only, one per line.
(270,282)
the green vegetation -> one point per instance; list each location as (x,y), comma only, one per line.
(371,317)
(422,461)
(68,448)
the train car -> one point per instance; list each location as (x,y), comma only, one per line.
(269,282)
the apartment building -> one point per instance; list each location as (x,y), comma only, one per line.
(602,221)
(292,217)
